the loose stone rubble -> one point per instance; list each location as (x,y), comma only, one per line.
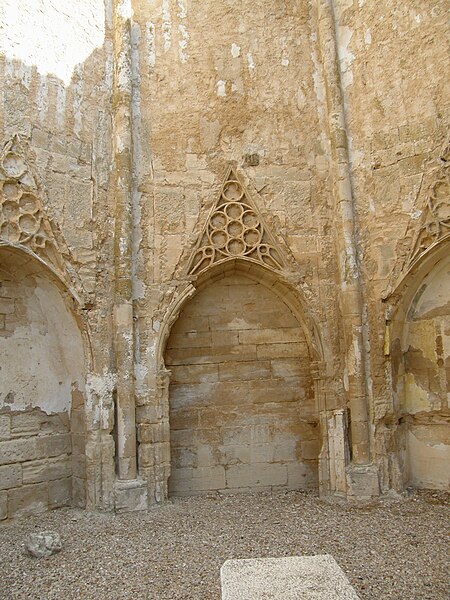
(43,544)
(224,250)
(389,549)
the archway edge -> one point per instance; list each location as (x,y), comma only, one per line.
(271,279)
(399,300)
(76,303)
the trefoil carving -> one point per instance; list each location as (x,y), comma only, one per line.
(23,217)
(435,219)
(234,230)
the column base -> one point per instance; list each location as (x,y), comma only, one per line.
(362,482)
(130,495)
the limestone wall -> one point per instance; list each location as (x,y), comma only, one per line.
(242,409)
(120,122)
(397,107)
(42,382)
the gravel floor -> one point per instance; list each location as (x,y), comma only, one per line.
(395,548)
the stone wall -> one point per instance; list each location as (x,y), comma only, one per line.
(397,107)
(42,381)
(242,409)
(120,121)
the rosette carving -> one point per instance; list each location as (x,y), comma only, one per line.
(435,220)
(234,229)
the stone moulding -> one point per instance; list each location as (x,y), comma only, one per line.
(431,229)
(435,220)
(24,222)
(235,229)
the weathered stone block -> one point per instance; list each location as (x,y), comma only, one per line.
(5,428)
(244,370)
(150,433)
(27,500)
(47,469)
(130,496)
(27,423)
(78,421)
(78,492)
(3,506)
(59,423)
(285,451)
(20,450)
(10,476)
(79,465)
(54,445)
(282,350)
(60,493)
(302,476)
(310,449)
(209,478)
(256,475)
(146,455)
(199,373)
(261,453)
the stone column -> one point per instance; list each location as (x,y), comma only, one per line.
(123,188)
(349,276)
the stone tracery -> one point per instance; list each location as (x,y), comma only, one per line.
(234,230)
(22,218)
(435,222)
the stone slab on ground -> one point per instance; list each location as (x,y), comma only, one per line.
(288,578)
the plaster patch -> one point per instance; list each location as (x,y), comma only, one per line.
(43,356)
(99,396)
(346,57)
(221,88)
(151,47)
(250,62)
(61,96)
(183,43)
(182,7)
(235,50)
(42,98)
(166,25)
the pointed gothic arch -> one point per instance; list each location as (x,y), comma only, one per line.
(242,408)
(419,322)
(45,350)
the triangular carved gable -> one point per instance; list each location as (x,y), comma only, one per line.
(23,219)
(433,225)
(435,219)
(235,230)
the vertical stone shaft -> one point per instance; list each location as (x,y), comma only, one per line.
(350,285)
(123,185)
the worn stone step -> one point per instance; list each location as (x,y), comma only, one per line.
(288,578)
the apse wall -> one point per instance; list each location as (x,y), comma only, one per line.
(42,391)
(242,410)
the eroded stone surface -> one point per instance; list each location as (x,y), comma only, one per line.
(309,577)
(152,149)
(43,544)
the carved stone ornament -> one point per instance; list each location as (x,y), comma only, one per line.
(22,217)
(234,229)
(435,219)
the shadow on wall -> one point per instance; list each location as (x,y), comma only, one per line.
(421,372)
(42,378)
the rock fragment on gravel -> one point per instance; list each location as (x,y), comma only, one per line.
(43,544)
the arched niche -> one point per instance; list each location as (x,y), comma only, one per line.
(243,411)
(420,355)
(42,379)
